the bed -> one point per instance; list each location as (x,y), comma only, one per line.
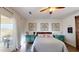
(44,42)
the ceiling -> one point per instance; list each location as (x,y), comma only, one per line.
(36,14)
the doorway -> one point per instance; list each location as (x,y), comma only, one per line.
(77,31)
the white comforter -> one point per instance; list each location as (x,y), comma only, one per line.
(48,45)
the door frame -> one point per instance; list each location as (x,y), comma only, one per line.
(76,33)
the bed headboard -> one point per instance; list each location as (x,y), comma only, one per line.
(44,33)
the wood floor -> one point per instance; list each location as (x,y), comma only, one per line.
(27,48)
(71,48)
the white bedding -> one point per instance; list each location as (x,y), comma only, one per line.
(42,44)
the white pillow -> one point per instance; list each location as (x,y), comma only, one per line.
(48,35)
(45,35)
(41,35)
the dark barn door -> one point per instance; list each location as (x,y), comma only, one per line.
(77,31)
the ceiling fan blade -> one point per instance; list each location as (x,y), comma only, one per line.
(51,9)
(44,9)
(60,7)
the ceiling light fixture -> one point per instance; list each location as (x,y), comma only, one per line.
(30,12)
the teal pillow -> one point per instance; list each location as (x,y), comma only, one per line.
(60,37)
(30,38)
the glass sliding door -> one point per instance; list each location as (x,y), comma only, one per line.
(7,31)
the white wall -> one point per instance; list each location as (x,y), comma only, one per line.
(70,22)
(49,21)
(20,26)
(20,22)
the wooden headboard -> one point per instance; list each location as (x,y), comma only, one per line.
(44,33)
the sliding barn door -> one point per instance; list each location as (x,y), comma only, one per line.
(77,31)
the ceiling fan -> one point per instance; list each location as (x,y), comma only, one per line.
(51,9)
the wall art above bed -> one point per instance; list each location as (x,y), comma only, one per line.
(44,26)
(32,26)
(55,26)
(70,30)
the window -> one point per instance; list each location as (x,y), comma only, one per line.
(7,25)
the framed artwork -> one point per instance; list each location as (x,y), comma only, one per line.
(32,26)
(44,26)
(70,30)
(55,26)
